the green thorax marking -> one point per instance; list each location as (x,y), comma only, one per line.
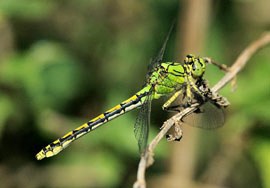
(169,77)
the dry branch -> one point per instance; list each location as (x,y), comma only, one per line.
(239,64)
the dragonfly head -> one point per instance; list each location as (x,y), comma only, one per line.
(195,65)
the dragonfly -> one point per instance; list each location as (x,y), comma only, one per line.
(171,79)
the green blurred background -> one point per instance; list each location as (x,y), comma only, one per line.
(64,62)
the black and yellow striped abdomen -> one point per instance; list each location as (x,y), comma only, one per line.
(61,143)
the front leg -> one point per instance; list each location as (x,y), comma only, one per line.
(188,97)
(166,106)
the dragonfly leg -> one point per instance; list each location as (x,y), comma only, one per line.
(178,107)
(166,106)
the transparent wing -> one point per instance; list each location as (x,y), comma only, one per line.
(141,128)
(157,60)
(208,116)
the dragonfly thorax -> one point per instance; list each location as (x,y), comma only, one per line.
(166,78)
(169,77)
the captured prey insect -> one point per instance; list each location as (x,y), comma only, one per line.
(172,79)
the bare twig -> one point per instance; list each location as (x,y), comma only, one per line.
(147,159)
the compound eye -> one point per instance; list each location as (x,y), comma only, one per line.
(197,68)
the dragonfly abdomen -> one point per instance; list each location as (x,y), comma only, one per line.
(61,143)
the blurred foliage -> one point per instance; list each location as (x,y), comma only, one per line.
(64,62)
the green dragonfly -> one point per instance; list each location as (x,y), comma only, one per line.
(173,79)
